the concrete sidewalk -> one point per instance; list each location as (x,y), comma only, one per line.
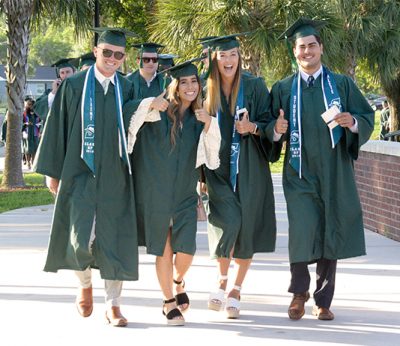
(37,308)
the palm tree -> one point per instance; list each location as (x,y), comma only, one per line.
(21,17)
(383,53)
(177,23)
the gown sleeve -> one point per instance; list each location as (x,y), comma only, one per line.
(142,115)
(209,145)
(50,157)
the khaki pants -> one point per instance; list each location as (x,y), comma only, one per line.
(113,288)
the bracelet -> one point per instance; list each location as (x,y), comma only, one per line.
(255,130)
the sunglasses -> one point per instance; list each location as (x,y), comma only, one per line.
(108,53)
(147,60)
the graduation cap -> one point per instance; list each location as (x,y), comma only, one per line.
(87,59)
(184,69)
(147,47)
(203,39)
(167,59)
(62,63)
(302,27)
(221,43)
(114,36)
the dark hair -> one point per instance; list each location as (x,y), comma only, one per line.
(174,104)
(317,38)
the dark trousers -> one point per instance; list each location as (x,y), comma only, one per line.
(326,273)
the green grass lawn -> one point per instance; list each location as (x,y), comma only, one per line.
(35,193)
(377,126)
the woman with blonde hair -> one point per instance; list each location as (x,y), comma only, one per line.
(166,160)
(241,210)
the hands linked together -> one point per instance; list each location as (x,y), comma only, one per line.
(281,125)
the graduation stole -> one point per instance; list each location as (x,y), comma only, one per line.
(235,146)
(88,118)
(331,98)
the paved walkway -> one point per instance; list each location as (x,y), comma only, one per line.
(36,308)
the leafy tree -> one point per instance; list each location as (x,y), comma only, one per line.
(21,16)
(178,23)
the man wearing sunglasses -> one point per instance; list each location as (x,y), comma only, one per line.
(83,154)
(146,82)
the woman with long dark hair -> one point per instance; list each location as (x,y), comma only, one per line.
(241,218)
(165,160)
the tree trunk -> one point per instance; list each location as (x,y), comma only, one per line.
(351,65)
(18,16)
(392,92)
(251,62)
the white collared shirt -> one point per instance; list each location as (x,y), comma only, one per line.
(305,76)
(100,77)
(316,74)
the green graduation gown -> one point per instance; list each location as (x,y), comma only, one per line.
(140,88)
(244,219)
(165,180)
(108,196)
(31,128)
(325,218)
(41,106)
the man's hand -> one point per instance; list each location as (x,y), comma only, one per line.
(281,125)
(160,103)
(52,184)
(55,86)
(344,119)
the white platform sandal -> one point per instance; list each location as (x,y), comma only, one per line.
(216,300)
(232,307)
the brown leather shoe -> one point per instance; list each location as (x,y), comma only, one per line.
(84,301)
(115,318)
(296,308)
(323,313)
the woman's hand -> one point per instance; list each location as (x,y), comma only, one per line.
(160,103)
(244,126)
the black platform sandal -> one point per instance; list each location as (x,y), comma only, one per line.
(182,298)
(171,320)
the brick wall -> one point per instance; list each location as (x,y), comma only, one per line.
(377,173)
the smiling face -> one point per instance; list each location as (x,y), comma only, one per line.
(308,51)
(188,88)
(228,62)
(149,66)
(108,66)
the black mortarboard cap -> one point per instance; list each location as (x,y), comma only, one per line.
(203,39)
(87,59)
(167,59)
(184,69)
(64,62)
(148,47)
(114,36)
(302,27)
(223,42)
